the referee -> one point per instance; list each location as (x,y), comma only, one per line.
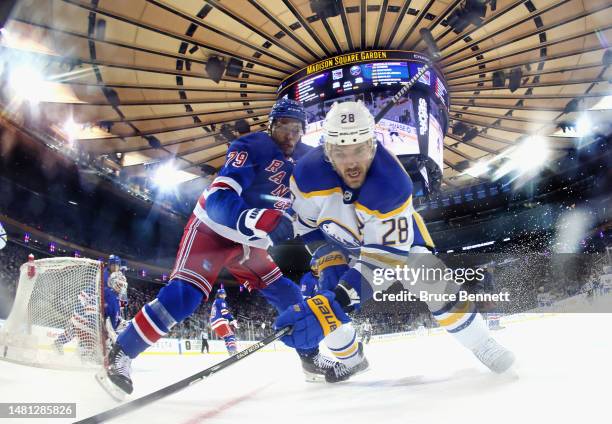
(204,337)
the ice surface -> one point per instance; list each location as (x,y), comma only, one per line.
(562,375)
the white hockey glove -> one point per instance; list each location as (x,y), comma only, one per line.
(234,323)
(112,335)
(118,282)
(112,332)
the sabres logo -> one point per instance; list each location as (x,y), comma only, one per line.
(340,234)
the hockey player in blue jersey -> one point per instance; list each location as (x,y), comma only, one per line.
(222,321)
(114,279)
(353,201)
(84,320)
(309,283)
(233,223)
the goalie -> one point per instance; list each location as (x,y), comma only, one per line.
(83,322)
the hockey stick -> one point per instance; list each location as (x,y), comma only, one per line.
(434,52)
(180,385)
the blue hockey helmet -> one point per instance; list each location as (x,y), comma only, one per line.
(114,260)
(220,292)
(287,108)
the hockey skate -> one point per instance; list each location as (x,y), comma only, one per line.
(115,378)
(496,357)
(316,365)
(340,372)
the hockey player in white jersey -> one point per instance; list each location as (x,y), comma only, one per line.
(353,201)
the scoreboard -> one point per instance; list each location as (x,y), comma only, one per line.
(413,129)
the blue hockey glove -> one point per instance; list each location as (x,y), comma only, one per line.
(332,263)
(312,320)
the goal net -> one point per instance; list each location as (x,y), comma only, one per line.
(57,318)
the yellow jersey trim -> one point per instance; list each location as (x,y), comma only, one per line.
(382,215)
(316,193)
(423,229)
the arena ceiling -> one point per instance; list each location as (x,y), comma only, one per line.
(129,74)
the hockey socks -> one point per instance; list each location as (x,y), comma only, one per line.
(230,344)
(66,336)
(173,304)
(343,344)
(462,320)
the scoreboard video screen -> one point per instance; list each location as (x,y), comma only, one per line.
(413,129)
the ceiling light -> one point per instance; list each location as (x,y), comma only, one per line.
(583,126)
(499,79)
(153,141)
(530,155)
(478,169)
(215,68)
(571,106)
(27,83)
(167,176)
(605,103)
(71,129)
(326,8)
(471,134)
(515,79)
(459,128)
(234,67)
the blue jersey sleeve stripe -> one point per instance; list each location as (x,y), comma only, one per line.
(386,249)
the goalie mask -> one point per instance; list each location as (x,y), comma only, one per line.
(114,263)
(350,142)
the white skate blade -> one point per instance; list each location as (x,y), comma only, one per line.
(311,377)
(504,363)
(115,392)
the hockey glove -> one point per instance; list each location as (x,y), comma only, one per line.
(332,263)
(312,320)
(118,282)
(348,290)
(234,323)
(264,223)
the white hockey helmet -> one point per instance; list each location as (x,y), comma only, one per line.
(348,123)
